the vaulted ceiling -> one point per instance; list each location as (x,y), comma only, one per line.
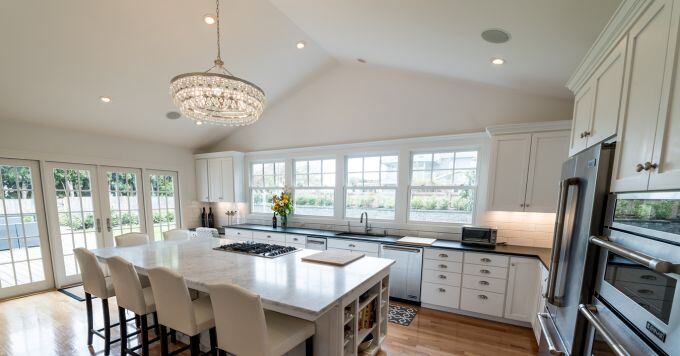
(58,57)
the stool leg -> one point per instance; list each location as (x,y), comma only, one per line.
(309,346)
(145,336)
(107,327)
(195,344)
(173,336)
(156,328)
(213,341)
(123,331)
(90,326)
(164,340)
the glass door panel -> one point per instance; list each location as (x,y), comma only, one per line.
(162,193)
(23,233)
(123,205)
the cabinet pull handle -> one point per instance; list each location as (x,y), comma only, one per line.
(639,167)
(443,266)
(483,297)
(526,205)
(295,238)
(351,245)
(443,255)
(650,166)
(441,276)
(485,259)
(485,271)
(586,134)
(648,277)
(521,205)
(442,290)
(484,283)
(645,291)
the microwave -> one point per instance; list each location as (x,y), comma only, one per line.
(477,235)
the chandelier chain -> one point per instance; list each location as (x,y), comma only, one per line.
(217,18)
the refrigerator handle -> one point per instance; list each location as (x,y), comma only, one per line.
(558,234)
(588,311)
(552,348)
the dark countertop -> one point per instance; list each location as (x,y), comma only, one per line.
(543,254)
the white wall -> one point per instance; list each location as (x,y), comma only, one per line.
(42,143)
(358,103)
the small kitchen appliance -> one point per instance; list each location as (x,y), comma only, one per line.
(478,235)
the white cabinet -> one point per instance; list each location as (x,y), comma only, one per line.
(523,286)
(597,104)
(526,171)
(540,302)
(220,179)
(646,153)
(369,248)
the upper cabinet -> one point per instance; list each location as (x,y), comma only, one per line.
(220,179)
(526,170)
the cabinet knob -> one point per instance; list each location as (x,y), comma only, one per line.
(443,255)
(521,205)
(639,167)
(650,165)
(443,266)
(485,259)
(581,135)
(485,271)
(526,205)
(484,283)
(483,297)
(586,133)
(442,290)
(441,276)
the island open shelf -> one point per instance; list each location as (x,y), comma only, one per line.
(365,317)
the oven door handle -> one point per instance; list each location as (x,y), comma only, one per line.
(588,311)
(558,233)
(650,262)
(548,338)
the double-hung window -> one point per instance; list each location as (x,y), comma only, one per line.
(371,186)
(266,180)
(314,183)
(443,187)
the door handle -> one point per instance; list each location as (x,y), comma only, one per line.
(558,233)
(108,224)
(588,311)
(548,338)
(98,224)
(650,262)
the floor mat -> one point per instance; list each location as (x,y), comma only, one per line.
(75,292)
(401,315)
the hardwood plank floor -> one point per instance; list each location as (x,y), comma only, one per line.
(53,324)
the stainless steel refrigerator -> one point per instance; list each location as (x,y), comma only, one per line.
(582,202)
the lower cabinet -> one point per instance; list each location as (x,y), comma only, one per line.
(440,294)
(371,249)
(523,286)
(482,302)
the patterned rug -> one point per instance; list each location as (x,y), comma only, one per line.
(401,315)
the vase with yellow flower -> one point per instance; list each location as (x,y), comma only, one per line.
(282,205)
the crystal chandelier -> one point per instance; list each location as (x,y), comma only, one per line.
(216,96)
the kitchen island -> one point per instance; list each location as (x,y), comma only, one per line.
(332,297)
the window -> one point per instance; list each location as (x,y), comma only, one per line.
(314,187)
(443,187)
(163,207)
(371,186)
(266,179)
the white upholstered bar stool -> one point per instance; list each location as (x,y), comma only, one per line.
(245,328)
(176,235)
(131,295)
(131,239)
(94,283)
(177,311)
(206,232)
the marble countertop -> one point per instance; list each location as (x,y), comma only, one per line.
(543,254)
(285,284)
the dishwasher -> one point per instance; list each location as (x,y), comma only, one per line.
(316,243)
(406,272)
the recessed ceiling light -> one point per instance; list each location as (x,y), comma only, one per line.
(361,60)
(497,61)
(300,44)
(199,123)
(105,99)
(173,115)
(496,35)
(209,19)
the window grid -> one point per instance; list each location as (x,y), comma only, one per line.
(162,204)
(123,202)
(266,179)
(371,186)
(314,182)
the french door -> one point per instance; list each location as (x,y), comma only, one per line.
(88,206)
(25,266)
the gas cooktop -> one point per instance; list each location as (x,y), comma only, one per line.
(257,249)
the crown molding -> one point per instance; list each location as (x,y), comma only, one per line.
(529,127)
(617,27)
(219,154)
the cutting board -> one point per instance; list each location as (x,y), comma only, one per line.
(336,258)
(417,241)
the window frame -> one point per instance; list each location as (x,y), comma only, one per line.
(346,186)
(332,188)
(474,188)
(250,179)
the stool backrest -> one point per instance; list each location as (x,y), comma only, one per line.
(239,320)
(91,272)
(173,302)
(206,232)
(131,239)
(129,292)
(176,235)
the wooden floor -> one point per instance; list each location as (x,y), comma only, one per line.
(52,323)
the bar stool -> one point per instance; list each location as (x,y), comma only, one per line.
(94,283)
(131,239)
(176,235)
(132,296)
(245,328)
(177,311)
(207,232)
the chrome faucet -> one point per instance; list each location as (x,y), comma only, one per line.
(367,227)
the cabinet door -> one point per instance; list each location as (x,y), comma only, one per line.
(227,180)
(509,177)
(523,285)
(202,190)
(548,151)
(583,113)
(540,302)
(645,92)
(215,179)
(608,82)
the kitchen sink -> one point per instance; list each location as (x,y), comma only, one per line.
(360,234)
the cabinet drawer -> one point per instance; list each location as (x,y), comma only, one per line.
(443,255)
(269,237)
(485,271)
(440,294)
(486,259)
(296,239)
(443,266)
(300,246)
(353,245)
(448,278)
(482,302)
(238,233)
(488,284)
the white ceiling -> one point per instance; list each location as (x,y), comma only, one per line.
(443,37)
(58,57)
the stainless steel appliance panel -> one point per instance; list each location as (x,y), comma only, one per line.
(406,273)
(316,243)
